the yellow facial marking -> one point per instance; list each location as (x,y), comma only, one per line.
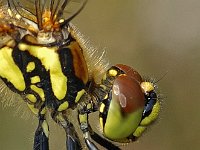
(33,109)
(9,70)
(50,60)
(35,79)
(39,91)
(147,86)
(138,132)
(30,67)
(112,72)
(152,116)
(101,109)
(45,128)
(63,106)
(79,94)
(31,98)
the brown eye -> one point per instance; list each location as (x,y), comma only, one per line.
(126,105)
(127,92)
(61,76)
(130,72)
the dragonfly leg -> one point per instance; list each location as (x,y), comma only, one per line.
(103,142)
(41,140)
(72,140)
(84,125)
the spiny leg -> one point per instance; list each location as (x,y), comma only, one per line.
(41,139)
(88,132)
(103,142)
(83,112)
(72,140)
(84,108)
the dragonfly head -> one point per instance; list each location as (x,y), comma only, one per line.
(122,109)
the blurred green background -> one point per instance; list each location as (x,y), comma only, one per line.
(155,37)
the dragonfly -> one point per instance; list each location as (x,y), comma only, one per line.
(46,60)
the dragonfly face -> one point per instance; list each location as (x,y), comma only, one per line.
(44,59)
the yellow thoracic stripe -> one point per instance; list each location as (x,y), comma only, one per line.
(31,98)
(35,79)
(30,67)
(79,94)
(63,106)
(9,70)
(39,91)
(50,60)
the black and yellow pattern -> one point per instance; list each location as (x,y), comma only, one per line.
(45,73)
(45,60)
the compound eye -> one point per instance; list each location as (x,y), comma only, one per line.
(125,108)
(127,92)
(129,71)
